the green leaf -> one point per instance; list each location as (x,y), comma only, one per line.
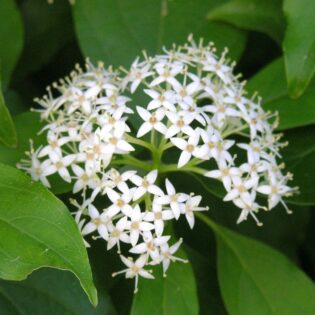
(27,126)
(105,27)
(299,156)
(174,294)
(11,38)
(210,300)
(274,92)
(256,279)
(42,43)
(7,130)
(299,44)
(36,230)
(49,292)
(255,15)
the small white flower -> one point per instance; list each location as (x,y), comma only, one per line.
(172,198)
(59,165)
(167,255)
(225,173)
(98,222)
(150,246)
(152,121)
(137,225)
(164,99)
(189,148)
(120,203)
(190,206)
(146,184)
(117,233)
(135,269)
(180,123)
(157,215)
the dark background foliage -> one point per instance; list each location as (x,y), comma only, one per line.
(273,43)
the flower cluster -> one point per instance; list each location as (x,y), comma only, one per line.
(190,103)
(197,105)
(85,126)
(136,213)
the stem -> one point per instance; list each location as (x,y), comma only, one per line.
(129,160)
(166,168)
(236,130)
(140,142)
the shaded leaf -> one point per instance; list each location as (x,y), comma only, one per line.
(174,294)
(299,44)
(42,43)
(270,83)
(146,24)
(49,292)
(37,230)
(255,15)
(299,156)
(256,279)
(11,38)
(7,130)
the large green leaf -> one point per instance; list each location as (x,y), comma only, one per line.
(270,83)
(263,16)
(37,230)
(7,129)
(27,126)
(117,31)
(299,44)
(11,38)
(256,279)
(174,294)
(49,292)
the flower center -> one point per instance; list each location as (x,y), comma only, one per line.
(190,148)
(158,215)
(135,226)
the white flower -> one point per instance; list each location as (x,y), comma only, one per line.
(119,180)
(167,255)
(99,222)
(146,184)
(180,123)
(120,202)
(164,99)
(275,191)
(152,121)
(83,179)
(158,216)
(137,225)
(135,269)
(138,74)
(59,165)
(172,198)
(240,188)
(117,233)
(54,145)
(150,246)
(225,173)
(190,206)
(167,72)
(189,148)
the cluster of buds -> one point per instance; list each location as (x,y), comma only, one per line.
(191,103)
